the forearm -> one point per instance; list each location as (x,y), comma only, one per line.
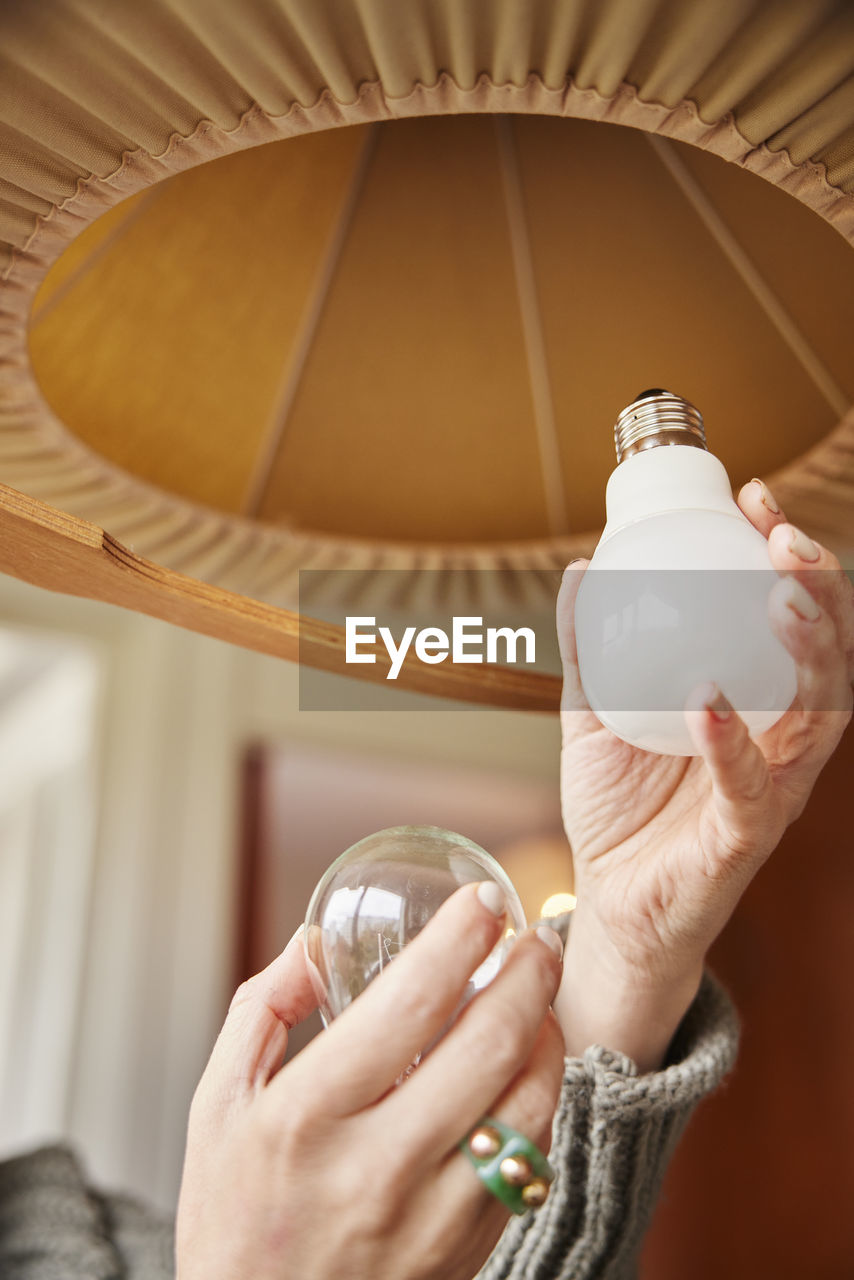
(606,1001)
(615,1132)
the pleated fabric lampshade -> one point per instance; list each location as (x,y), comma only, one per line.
(309,284)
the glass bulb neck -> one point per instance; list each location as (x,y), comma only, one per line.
(658,418)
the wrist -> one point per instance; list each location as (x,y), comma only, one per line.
(633,1006)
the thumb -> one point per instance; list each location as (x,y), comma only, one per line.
(573,698)
(742,786)
(252,1043)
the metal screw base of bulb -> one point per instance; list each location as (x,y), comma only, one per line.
(658,418)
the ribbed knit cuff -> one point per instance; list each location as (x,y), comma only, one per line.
(614,1134)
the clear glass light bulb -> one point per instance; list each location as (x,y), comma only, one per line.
(677,591)
(379,895)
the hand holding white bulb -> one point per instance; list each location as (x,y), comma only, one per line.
(664,846)
(678,588)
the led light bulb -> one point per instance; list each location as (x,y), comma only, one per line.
(677,591)
(379,895)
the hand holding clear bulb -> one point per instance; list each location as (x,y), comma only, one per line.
(664,846)
(321,1167)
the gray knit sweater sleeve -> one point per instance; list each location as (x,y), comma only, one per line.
(54,1227)
(614,1134)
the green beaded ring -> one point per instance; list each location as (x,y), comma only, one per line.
(509,1165)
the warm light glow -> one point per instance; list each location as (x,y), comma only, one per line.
(557,903)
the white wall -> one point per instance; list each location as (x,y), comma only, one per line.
(146,897)
(145,873)
(48,709)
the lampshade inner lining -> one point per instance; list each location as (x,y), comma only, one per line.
(422,330)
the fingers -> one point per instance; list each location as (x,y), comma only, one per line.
(362,1054)
(808,632)
(815,623)
(760,506)
(252,1043)
(527,1105)
(811,611)
(741,782)
(484,1053)
(529,1101)
(572,697)
(819,572)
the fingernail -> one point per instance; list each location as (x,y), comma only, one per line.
(718,705)
(800,601)
(492,897)
(294,936)
(551,939)
(803,547)
(765,495)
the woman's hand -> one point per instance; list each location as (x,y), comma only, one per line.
(664,846)
(324,1168)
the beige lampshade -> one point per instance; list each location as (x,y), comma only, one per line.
(319,285)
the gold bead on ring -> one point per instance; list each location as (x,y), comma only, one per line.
(516,1170)
(534,1193)
(484,1141)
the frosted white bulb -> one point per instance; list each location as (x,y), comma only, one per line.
(677,590)
(379,895)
